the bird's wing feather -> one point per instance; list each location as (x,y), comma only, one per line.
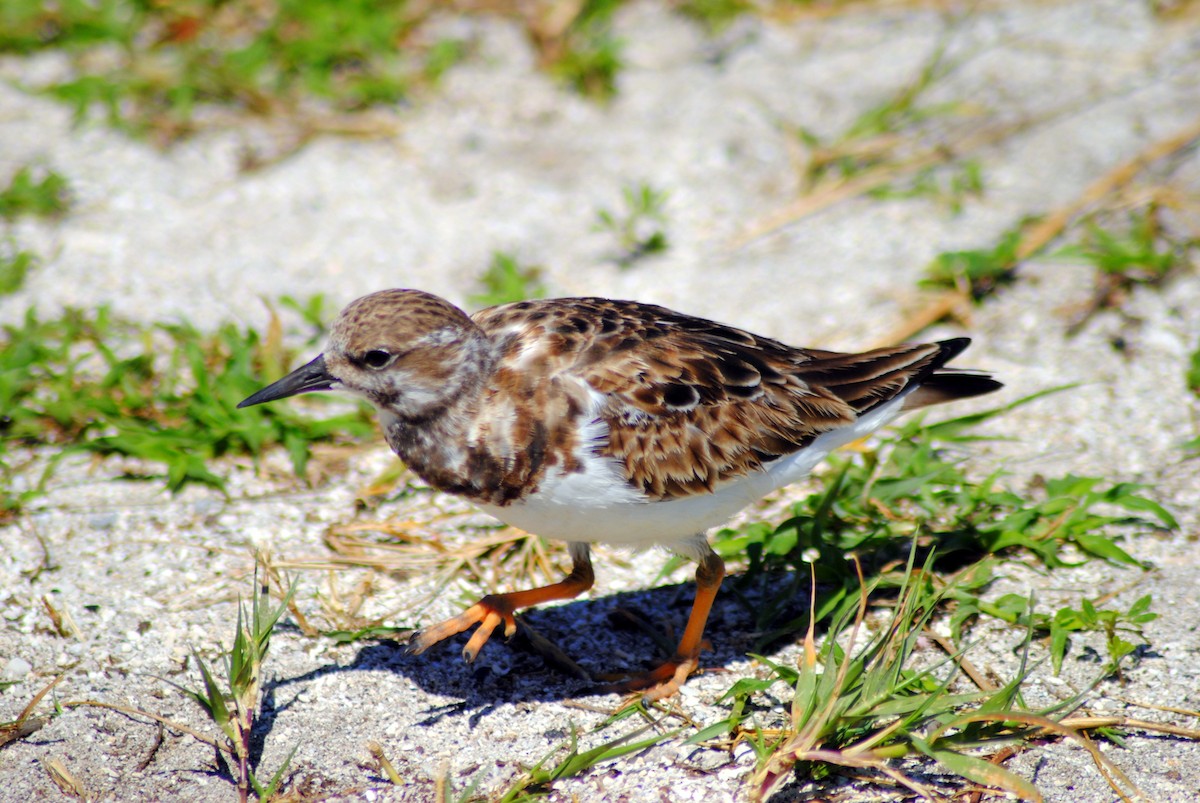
(691,403)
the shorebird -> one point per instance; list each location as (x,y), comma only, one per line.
(592,420)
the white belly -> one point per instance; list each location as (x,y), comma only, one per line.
(597,504)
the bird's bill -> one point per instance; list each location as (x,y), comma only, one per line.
(304,379)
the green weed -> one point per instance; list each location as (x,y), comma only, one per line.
(166,394)
(165,59)
(877,500)
(506,281)
(1117,626)
(1138,252)
(639,226)
(870,142)
(146,67)
(715,15)
(978,273)
(536,781)
(950,185)
(1193,372)
(1192,378)
(234,707)
(1128,250)
(15,265)
(39,193)
(585,55)
(861,710)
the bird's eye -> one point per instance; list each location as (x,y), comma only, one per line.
(376,358)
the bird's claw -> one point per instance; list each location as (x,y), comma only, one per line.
(487,613)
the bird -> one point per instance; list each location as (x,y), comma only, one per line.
(592,420)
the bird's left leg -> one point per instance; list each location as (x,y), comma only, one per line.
(666,679)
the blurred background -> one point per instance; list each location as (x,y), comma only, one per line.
(189,191)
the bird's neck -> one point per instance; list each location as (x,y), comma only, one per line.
(436,444)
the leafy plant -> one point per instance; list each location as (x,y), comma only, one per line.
(506,281)
(234,708)
(165,59)
(584,53)
(949,185)
(1192,377)
(1138,250)
(15,265)
(864,709)
(1117,626)
(638,228)
(1137,254)
(41,193)
(536,780)
(978,272)
(167,394)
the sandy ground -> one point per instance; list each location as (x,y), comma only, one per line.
(499,159)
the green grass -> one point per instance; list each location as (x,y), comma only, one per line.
(1126,247)
(506,281)
(165,393)
(15,264)
(912,483)
(537,781)
(586,55)
(231,699)
(233,705)
(146,67)
(979,272)
(1134,250)
(873,141)
(639,226)
(31,192)
(34,192)
(1192,379)
(950,185)
(165,59)
(862,710)
(867,709)
(715,15)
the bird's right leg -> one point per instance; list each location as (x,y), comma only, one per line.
(496,608)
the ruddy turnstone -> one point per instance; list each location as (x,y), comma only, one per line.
(586,419)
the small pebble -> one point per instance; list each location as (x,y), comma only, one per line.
(16,669)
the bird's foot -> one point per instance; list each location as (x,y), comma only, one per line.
(659,683)
(488,613)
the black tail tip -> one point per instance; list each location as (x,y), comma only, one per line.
(952,348)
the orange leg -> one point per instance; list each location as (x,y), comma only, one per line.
(496,608)
(666,679)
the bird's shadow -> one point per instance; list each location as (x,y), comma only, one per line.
(574,649)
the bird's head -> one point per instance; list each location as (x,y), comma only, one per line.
(409,353)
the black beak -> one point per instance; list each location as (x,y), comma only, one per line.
(313,376)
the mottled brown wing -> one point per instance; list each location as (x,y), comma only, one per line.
(692,402)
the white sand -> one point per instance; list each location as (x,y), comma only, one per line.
(499,159)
